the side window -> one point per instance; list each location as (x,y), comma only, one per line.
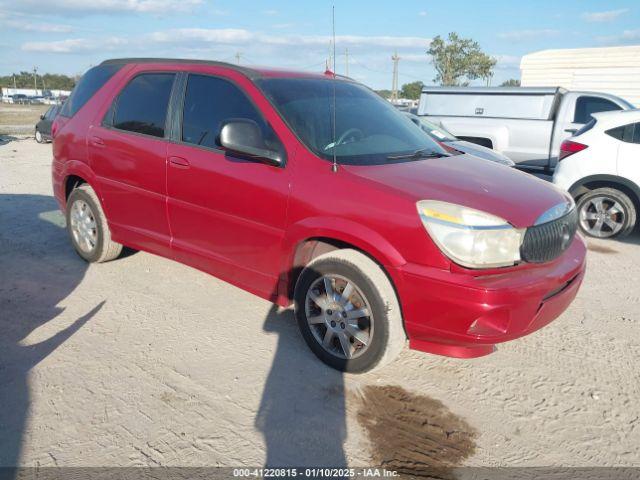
(88,85)
(585,106)
(49,113)
(142,105)
(209,102)
(636,133)
(624,133)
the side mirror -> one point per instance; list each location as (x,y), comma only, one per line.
(244,136)
(42,117)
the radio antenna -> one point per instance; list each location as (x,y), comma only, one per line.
(334,166)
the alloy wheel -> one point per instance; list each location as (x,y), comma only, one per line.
(83,226)
(339,316)
(602,216)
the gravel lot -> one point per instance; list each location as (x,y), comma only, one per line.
(142,361)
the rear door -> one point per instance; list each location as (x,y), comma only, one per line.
(128,154)
(629,151)
(227,213)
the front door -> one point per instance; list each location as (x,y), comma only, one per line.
(227,214)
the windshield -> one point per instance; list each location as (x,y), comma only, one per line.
(368,130)
(437,132)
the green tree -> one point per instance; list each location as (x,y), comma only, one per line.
(458,60)
(512,82)
(49,81)
(412,90)
(386,94)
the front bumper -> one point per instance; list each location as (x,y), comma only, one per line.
(465,316)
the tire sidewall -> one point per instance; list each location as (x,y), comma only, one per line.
(39,137)
(616,196)
(79,194)
(369,359)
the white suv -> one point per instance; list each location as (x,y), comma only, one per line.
(600,167)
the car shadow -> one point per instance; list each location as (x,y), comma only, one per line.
(38,271)
(302,411)
(4,139)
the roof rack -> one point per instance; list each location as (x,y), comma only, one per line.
(249,72)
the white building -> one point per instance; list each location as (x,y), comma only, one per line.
(614,70)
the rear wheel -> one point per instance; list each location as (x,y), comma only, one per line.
(348,312)
(39,137)
(88,228)
(606,213)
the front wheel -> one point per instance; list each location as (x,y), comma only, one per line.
(39,137)
(348,312)
(88,228)
(606,213)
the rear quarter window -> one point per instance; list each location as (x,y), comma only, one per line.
(89,84)
(585,106)
(624,133)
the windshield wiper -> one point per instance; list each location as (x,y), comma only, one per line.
(418,154)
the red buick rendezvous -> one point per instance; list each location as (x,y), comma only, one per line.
(310,189)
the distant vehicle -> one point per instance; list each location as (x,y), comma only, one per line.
(372,230)
(526,124)
(600,167)
(441,135)
(43,127)
(20,98)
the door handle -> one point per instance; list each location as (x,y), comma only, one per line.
(179,162)
(97,141)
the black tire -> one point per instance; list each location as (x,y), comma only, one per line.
(626,217)
(104,248)
(387,338)
(38,136)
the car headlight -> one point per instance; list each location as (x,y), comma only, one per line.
(470,237)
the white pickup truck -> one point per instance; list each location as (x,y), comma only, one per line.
(527,124)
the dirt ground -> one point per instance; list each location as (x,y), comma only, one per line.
(142,361)
(19,119)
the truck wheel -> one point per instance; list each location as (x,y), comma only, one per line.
(88,228)
(606,213)
(348,312)
(39,138)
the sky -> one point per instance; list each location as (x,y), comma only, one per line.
(69,36)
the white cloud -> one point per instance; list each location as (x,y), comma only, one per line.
(37,27)
(507,62)
(81,7)
(270,13)
(199,36)
(520,35)
(75,45)
(607,16)
(627,37)
(422,13)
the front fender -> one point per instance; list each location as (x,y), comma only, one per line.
(348,231)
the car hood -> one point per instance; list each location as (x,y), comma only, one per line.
(481,152)
(517,197)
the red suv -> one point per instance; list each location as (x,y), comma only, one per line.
(311,189)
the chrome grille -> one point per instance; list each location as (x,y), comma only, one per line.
(546,242)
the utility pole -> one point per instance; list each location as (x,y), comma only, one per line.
(346,62)
(238,55)
(394,82)
(35,81)
(14,81)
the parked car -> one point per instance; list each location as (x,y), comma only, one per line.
(371,229)
(600,167)
(20,98)
(441,135)
(43,127)
(527,124)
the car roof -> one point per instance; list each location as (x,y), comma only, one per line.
(617,117)
(253,72)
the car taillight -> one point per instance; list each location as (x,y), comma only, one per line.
(569,148)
